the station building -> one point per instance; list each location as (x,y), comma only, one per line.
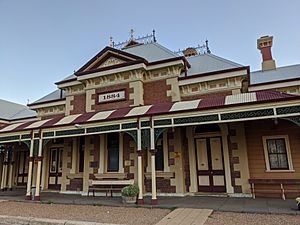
(174,124)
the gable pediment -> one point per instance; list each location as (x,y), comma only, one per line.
(109,58)
(111,61)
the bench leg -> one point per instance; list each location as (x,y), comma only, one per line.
(282,192)
(253,190)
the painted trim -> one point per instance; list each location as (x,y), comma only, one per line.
(288,152)
(212,77)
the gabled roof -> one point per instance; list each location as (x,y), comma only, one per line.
(53,96)
(151,52)
(279,74)
(13,111)
(207,63)
(108,52)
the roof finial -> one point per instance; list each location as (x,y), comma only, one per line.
(153,33)
(207,48)
(111,43)
(131,34)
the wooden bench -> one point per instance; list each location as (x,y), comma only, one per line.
(109,186)
(280,183)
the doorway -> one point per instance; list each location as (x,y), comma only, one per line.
(23,159)
(55,168)
(210,164)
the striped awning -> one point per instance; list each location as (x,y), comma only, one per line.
(151,110)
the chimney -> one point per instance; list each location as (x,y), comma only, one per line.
(190,52)
(264,44)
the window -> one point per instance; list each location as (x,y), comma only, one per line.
(113,152)
(159,155)
(277,153)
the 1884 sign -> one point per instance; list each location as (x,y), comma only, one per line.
(111,96)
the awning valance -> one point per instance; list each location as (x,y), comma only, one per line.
(188,108)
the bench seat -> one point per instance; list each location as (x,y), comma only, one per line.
(109,186)
(280,183)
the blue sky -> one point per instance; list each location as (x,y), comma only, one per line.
(42,41)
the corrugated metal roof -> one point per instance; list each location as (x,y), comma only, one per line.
(55,95)
(206,63)
(71,77)
(279,74)
(14,111)
(147,110)
(151,52)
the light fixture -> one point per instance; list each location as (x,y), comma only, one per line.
(78,126)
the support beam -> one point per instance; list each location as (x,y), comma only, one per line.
(153,172)
(28,191)
(140,167)
(39,168)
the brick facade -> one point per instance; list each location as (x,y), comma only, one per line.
(78,104)
(156,92)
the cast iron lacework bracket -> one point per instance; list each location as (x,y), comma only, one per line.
(27,143)
(133,134)
(158,132)
(45,142)
(294,119)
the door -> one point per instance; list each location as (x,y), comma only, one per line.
(55,168)
(23,159)
(210,166)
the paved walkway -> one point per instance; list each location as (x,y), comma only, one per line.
(230,204)
(186,216)
(5,220)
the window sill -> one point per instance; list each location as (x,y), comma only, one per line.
(280,171)
(111,175)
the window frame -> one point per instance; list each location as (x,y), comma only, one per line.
(288,153)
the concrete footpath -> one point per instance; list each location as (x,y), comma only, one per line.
(43,221)
(186,216)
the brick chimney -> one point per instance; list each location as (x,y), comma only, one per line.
(264,44)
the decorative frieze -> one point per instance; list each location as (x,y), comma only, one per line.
(204,87)
(196,119)
(247,114)
(50,111)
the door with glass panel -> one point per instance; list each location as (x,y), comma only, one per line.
(210,166)
(55,168)
(23,162)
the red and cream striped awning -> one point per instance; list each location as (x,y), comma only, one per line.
(152,110)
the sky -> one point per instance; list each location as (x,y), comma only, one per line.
(42,41)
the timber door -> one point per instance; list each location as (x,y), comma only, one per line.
(55,168)
(23,162)
(210,166)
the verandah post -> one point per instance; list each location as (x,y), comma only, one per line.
(140,165)
(39,167)
(4,171)
(153,172)
(28,191)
